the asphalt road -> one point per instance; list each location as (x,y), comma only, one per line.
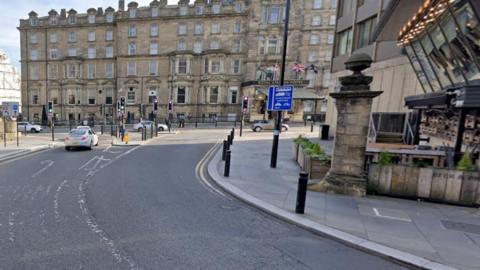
(145,208)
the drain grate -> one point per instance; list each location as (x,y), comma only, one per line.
(461,227)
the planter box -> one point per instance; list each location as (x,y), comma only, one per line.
(315,168)
(295,148)
(450,186)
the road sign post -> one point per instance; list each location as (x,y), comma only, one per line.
(278,120)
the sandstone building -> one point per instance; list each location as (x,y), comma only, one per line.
(203,56)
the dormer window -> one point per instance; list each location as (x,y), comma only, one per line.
(183,11)
(53,20)
(132,13)
(110,17)
(199,9)
(91,18)
(155,12)
(33,21)
(72,19)
(216,8)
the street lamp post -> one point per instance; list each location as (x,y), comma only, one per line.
(278,120)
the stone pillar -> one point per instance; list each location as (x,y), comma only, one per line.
(354,104)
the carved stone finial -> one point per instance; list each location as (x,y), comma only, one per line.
(358,62)
(357,81)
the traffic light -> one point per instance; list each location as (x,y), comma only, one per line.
(245,104)
(122,104)
(50,107)
(155,105)
(118,105)
(170,106)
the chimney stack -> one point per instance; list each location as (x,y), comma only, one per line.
(100,11)
(121,5)
(63,13)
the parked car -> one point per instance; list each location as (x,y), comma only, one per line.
(139,126)
(260,125)
(26,126)
(84,138)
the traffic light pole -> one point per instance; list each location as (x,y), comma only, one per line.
(53,129)
(241,123)
(278,120)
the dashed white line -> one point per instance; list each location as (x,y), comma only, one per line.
(55,201)
(48,163)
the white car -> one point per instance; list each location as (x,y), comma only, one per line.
(26,126)
(84,138)
(139,126)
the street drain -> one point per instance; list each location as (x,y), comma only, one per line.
(461,227)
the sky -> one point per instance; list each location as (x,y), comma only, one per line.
(14,10)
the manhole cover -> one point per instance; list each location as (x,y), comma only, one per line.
(461,227)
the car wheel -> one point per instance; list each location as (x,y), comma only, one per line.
(67,148)
(257,129)
(284,129)
(140,129)
(33,130)
(160,129)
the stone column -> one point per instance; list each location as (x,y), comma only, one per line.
(354,104)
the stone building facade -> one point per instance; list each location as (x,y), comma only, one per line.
(9,82)
(202,56)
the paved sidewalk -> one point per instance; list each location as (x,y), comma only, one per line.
(26,145)
(413,228)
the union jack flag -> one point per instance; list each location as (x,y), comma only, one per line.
(298,68)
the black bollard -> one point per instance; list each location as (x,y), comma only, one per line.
(225,147)
(301,193)
(229,139)
(196,123)
(233,133)
(228,157)
(311,127)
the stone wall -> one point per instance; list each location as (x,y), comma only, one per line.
(11,128)
(434,184)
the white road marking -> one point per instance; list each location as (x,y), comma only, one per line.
(55,201)
(104,239)
(11,227)
(48,163)
(377,213)
(88,162)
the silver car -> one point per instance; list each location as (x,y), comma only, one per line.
(81,138)
(260,125)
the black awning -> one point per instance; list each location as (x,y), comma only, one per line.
(435,99)
(468,97)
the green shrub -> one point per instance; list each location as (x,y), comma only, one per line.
(385,158)
(466,163)
(300,140)
(316,152)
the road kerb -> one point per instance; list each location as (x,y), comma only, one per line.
(349,239)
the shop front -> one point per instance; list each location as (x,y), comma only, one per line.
(442,42)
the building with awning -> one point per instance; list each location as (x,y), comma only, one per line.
(441,39)
(306,102)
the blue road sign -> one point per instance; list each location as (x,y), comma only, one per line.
(280,98)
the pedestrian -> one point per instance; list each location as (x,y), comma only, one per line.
(167,122)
